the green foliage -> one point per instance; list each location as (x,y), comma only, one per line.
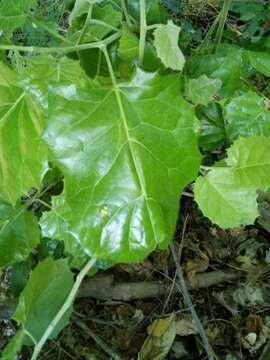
(21,127)
(36,309)
(76,96)
(246,115)
(166,44)
(228,193)
(213,132)
(13,15)
(19,234)
(202,90)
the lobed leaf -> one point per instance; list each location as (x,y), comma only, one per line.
(126,154)
(166,44)
(227,195)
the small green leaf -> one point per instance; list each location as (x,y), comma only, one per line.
(19,234)
(260,61)
(45,293)
(246,115)
(166,44)
(228,195)
(202,90)
(21,126)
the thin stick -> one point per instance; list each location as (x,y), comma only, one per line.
(98,340)
(188,301)
(67,304)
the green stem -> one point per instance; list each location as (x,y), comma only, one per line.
(64,49)
(222,20)
(67,304)
(143,30)
(89,16)
(124,9)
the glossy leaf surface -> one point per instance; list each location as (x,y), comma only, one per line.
(166,44)
(19,234)
(126,154)
(227,195)
(247,115)
(41,299)
(21,126)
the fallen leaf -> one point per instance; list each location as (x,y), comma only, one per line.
(161,334)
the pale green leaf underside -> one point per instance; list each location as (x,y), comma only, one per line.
(166,44)
(227,195)
(23,156)
(45,293)
(126,156)
(202,90)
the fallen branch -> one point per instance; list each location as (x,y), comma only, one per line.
(104,287)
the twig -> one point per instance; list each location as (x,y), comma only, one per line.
(207,347)
(98,340)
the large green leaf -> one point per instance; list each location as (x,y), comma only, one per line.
(166,44)
(227,195)
(126,154)
(247,115)
(13,14)
(23,156)
(19,234)
(45,293)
